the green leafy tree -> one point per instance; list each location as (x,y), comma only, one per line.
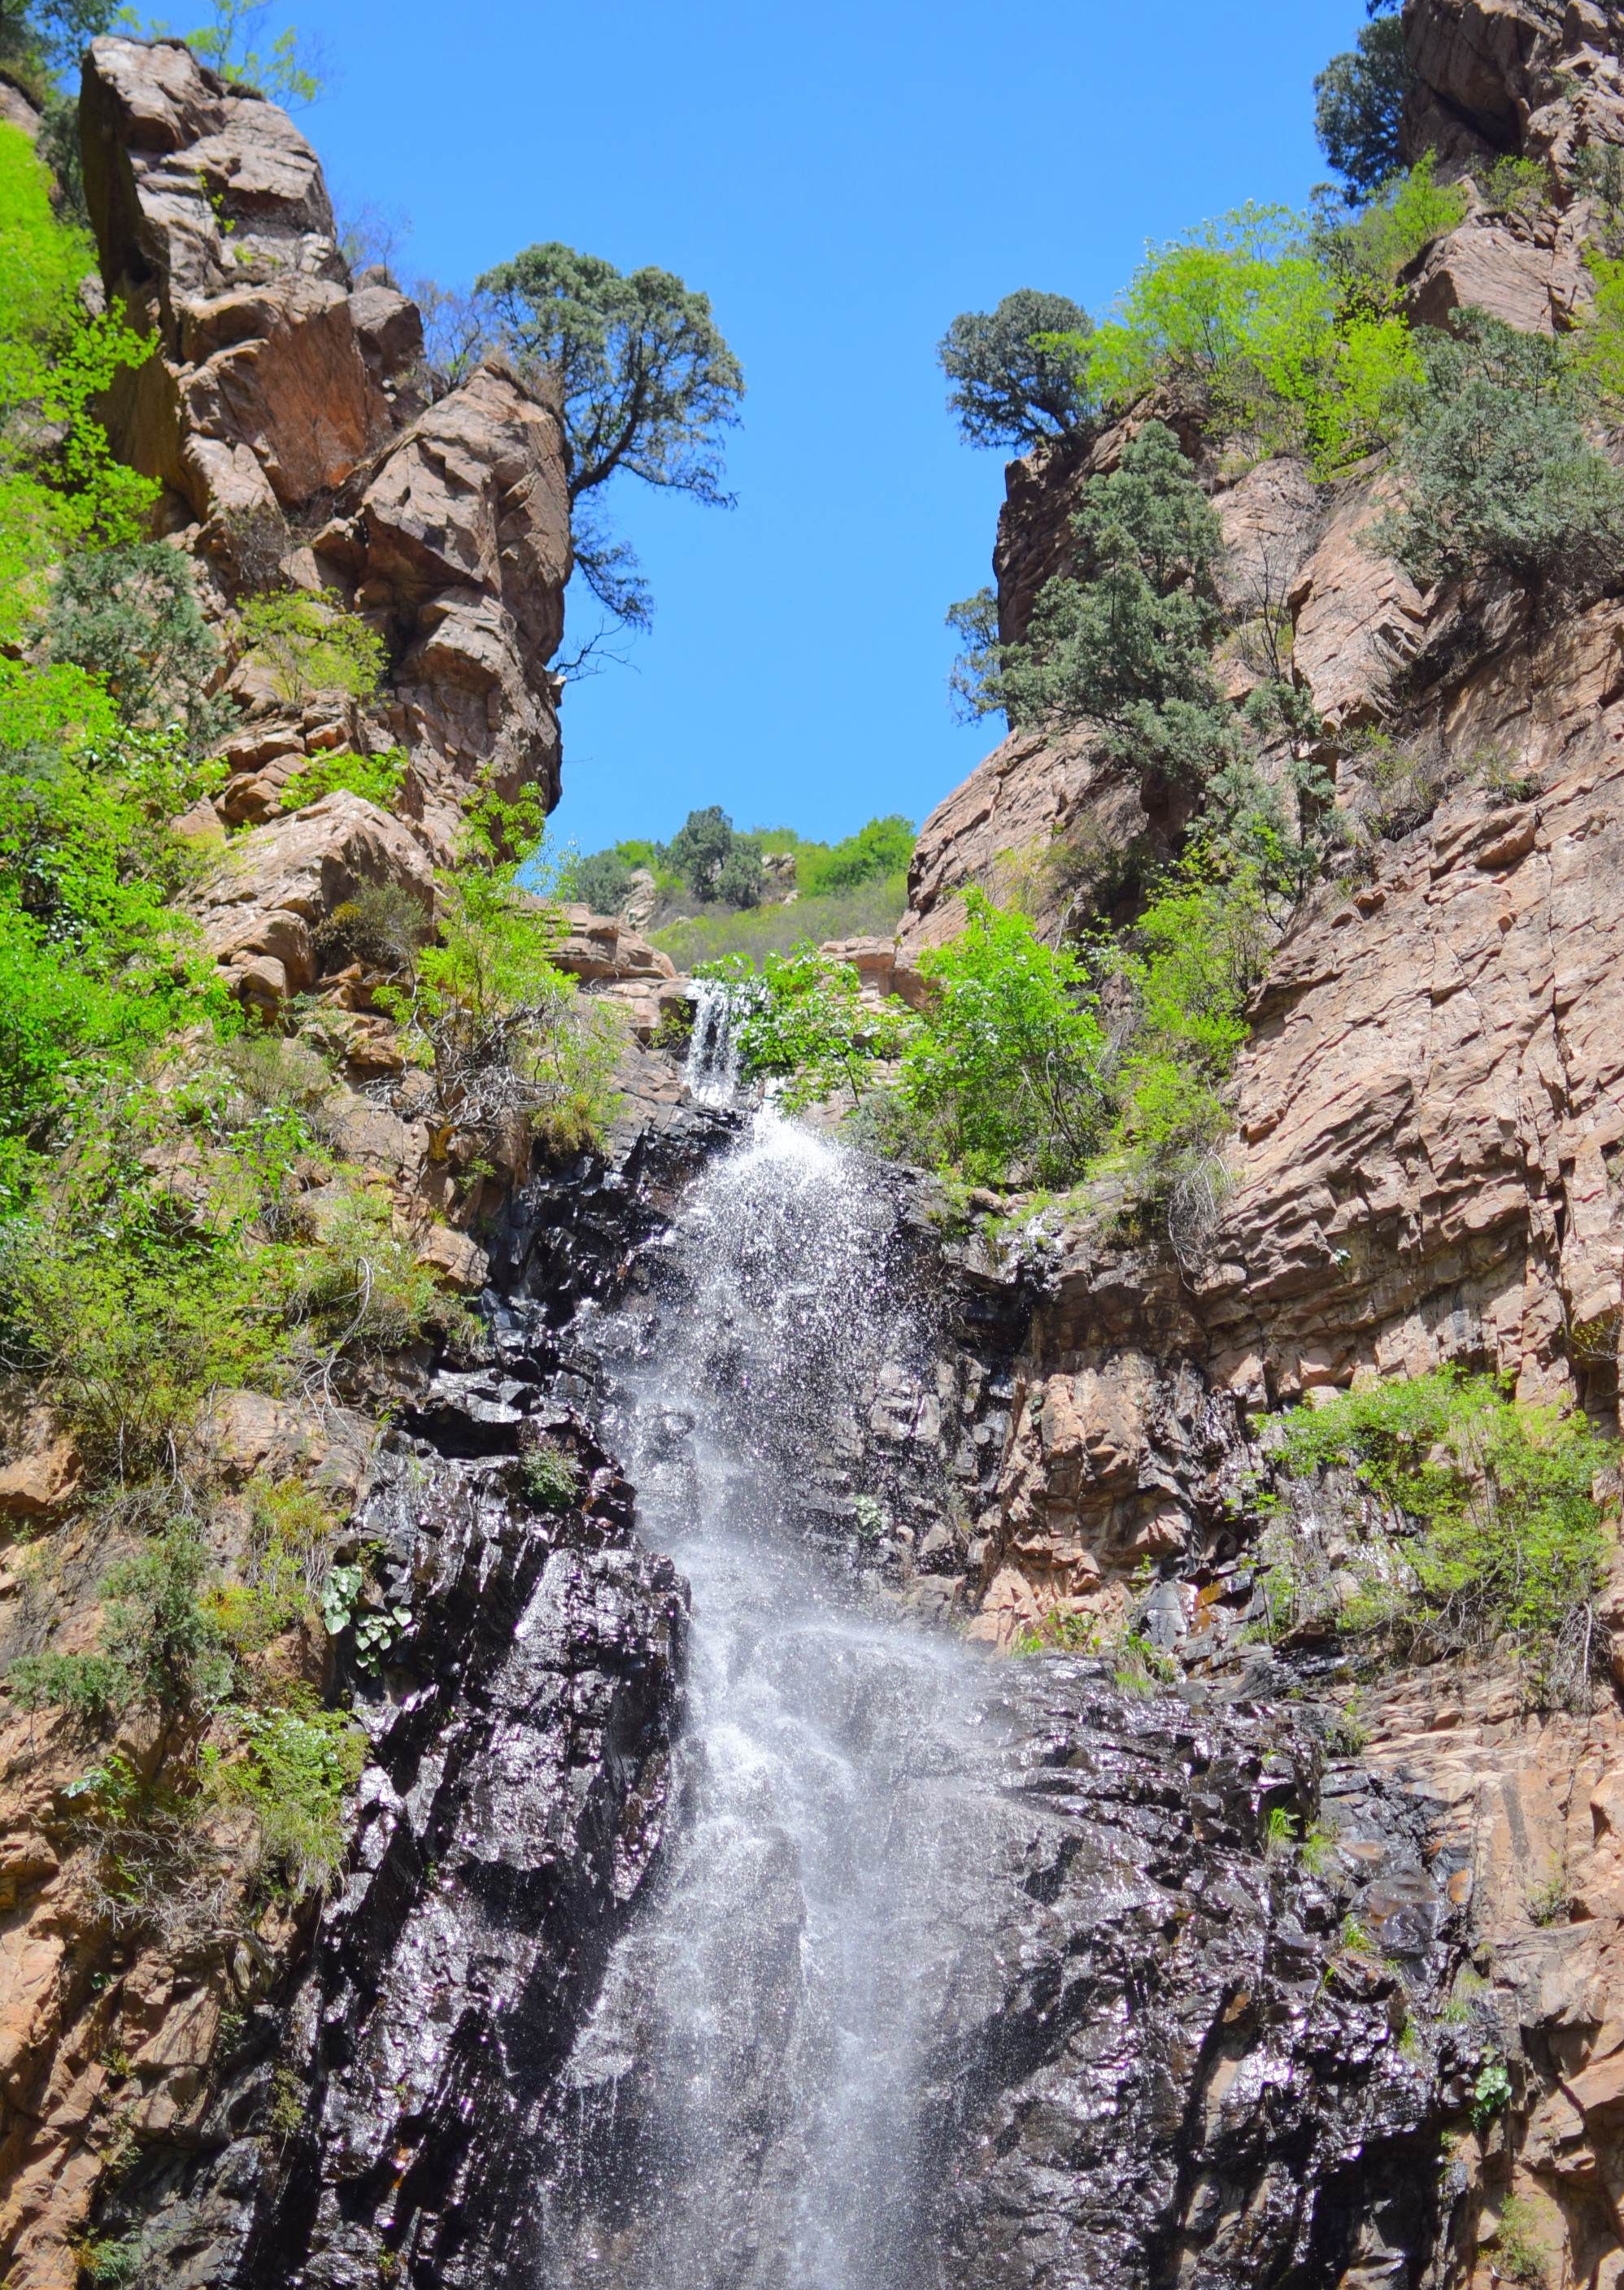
(1497,471)
(699,849)
(601,880)
(130,617)
(40,38)
(648,385)
(1010,388)
(1359,101)
(804,1023)
(238,43)
(1003,1077)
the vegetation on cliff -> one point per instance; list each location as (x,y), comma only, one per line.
(177,1220)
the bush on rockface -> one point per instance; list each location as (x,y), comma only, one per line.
(131,618)
(1493,1523)
(507,1035)
(378,778)
(309,645)
(1497,470)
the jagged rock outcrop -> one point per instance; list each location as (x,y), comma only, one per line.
(287,412)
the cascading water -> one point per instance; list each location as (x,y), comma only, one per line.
(713,1048)
(746,2106)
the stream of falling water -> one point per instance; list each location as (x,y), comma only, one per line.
(748,2107)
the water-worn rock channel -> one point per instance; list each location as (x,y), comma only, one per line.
(721,1924)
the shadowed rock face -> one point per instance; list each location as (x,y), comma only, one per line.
(514,1796)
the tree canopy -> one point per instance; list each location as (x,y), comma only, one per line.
(1008,388)
(648,385)
(1359,101)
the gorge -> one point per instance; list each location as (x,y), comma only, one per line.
(831,1795)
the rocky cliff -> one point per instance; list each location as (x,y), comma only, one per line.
(1196,2059)
(1428,1110)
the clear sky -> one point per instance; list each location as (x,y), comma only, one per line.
(841,179)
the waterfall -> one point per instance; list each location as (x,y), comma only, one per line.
(745,2107)
(713,1048)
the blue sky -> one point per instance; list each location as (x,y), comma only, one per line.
(840,179)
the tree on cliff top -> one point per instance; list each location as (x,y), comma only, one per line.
(1009,388)
(648,384)
(1359,101)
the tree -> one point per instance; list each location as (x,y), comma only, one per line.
(131,616)
(1009,388)
(1497,470)
(1359,101)
(648,384)
(1126,643)
(50,36)
(284,67)
(698,849)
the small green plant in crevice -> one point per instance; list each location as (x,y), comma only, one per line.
(870,1516)
(345,1607)
(1140,1666)
(1491,2095)
(1518,2256)
(1466,1992)
(1354,1938)
(550,1476)
(1551,1902)
(1280,1832)
(290,2100)
(378,778)
(309,647)
(292,1769)
(1060,1631)
(113,2260)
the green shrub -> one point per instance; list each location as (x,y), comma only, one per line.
(130,617)
(383,928)
(310,646)
(357,1290)
(1009,388)
(133,1319)
(881,848)
(1187,969)
(509,1038)
(378,778)
(292,1769)
(60,488)
(1514,186)
(290,1529)
(550,1476)
(601,880)
(803,1021)
(158,1645)
(1002,1077)
(1497,1529)
(1497,472)
(872,909)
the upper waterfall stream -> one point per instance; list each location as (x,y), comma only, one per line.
(746,2106)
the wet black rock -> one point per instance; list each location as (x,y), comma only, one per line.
(514,1800)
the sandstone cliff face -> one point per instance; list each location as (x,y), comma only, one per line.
(1427,1119)
(286,411)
